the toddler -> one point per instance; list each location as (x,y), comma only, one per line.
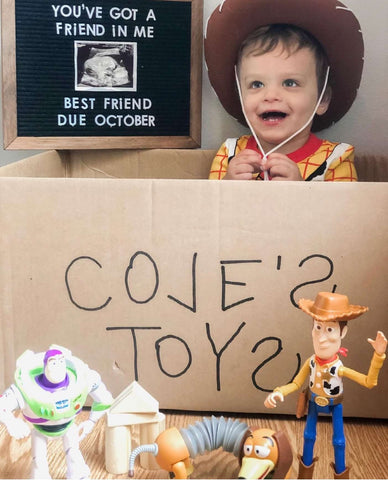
(283,77)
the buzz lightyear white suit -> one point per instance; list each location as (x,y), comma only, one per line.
(50,389)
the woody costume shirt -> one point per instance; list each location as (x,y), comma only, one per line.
(317,159)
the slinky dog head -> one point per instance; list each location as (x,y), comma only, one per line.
(265,452)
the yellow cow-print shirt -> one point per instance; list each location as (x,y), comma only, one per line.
(317,159)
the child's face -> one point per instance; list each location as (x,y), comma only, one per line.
(280,91)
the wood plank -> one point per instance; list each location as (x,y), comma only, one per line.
(366,449)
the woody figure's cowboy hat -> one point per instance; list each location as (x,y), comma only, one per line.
(329,21)
(331,306)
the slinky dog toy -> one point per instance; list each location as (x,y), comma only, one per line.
(261,452)
(331,22)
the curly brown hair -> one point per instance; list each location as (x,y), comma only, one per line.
(291,38)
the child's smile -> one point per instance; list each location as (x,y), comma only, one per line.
(280,92)
(273,116)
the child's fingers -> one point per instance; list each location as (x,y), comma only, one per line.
(242,166)
(248,158)
(280,167)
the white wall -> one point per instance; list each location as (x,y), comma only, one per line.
(364,126)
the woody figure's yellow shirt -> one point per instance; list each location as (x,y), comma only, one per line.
(324,378)
(317,159)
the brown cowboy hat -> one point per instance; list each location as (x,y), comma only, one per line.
(329,21)
(331,306)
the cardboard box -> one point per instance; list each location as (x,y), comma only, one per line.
(186,285)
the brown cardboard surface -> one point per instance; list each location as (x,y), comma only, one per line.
(153,163)
(187,286)
(156,163)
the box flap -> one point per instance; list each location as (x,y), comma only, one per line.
(49,164)
(159,163)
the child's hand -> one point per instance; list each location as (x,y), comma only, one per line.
(243,166)
(280,167)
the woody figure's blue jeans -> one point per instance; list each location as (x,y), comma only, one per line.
(310,434)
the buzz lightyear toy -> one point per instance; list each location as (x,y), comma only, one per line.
(50,389)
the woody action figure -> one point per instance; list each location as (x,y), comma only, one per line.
(331,312)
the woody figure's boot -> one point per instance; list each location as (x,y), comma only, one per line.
(304,470)
(344,474)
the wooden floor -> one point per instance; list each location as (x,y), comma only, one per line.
(367,449)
